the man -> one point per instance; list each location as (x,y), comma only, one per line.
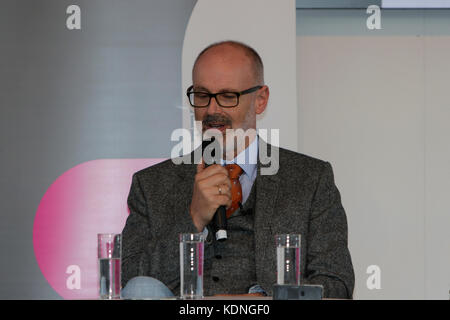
(167,199)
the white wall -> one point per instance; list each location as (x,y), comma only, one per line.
(269,27)
(359,113)
(437,167)
(376,106)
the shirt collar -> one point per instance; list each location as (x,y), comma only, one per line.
(247,159)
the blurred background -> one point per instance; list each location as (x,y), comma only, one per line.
(365,90)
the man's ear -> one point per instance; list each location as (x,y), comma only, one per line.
(262,99)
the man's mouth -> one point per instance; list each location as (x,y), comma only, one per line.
(219,126)
(217,122)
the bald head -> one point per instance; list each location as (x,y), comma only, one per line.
(235,50)
(224,68)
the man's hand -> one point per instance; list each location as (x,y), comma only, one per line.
(206,197)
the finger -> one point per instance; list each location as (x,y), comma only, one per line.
(215,180)
(213,191)
(201,166)
(223,200)
(224,190)
(213,169)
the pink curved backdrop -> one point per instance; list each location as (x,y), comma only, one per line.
(84,201)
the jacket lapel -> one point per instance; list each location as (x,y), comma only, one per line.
(267,187)
(185,184)
(184,180)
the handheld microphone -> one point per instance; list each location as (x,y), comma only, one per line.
(220,221)
(220,217)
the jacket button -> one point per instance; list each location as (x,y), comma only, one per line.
(215,279)
(218,256)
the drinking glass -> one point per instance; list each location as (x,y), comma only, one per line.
(191,265)
(288,259)
(109,261)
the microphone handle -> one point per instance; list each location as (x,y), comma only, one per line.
(220,221)
(220,217)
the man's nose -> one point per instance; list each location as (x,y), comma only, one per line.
(213,107)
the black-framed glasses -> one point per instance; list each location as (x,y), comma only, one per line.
(201,99)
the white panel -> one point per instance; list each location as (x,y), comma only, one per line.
(267,26)
(361,108)
(437,122)
(415,4)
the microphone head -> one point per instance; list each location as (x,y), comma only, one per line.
(206,143)
(211,151)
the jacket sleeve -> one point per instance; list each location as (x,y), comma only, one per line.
(328,259)
(135,235)
(150,236)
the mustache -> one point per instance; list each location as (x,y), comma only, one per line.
(215,119)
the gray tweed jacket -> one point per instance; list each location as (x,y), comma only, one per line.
(301,198)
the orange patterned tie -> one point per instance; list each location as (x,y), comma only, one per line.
(236,190)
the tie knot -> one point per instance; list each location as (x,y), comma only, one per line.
(234,170)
